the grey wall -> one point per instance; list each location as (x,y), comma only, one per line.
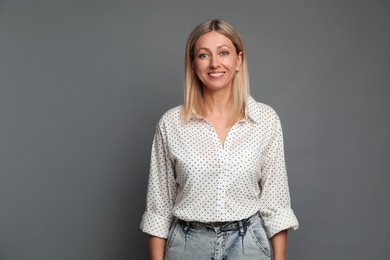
(83,84)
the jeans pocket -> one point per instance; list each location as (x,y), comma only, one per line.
(259,237)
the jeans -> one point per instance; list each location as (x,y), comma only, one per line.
(238,240)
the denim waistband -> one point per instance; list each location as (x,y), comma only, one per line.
(222,226)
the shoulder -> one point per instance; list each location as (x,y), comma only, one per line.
(260,112)
(267,109)
(171,117)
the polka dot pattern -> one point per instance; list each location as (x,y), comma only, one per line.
(195,178)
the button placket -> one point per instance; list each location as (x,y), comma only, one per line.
(221,192)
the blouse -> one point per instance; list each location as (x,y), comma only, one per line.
(194,178)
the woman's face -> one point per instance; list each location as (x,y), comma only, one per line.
(216,61)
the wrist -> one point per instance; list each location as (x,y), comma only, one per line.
(279,257)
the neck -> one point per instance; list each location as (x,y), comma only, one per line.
(217,103)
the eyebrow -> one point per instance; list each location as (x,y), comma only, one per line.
(218,47)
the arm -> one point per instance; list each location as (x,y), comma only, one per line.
(161,192)
(157,247)
(275,204)
(279,243)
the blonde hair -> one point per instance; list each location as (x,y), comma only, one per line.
(193,99)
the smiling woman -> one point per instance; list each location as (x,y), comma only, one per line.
(216,62)
(231,45)
(218,184)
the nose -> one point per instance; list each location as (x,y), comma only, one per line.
(214,61)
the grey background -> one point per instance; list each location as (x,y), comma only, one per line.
(83,84)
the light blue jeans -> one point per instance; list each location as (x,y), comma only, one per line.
(238,240)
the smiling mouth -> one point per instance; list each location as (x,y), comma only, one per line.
(216,74)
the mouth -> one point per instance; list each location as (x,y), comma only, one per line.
(216,74)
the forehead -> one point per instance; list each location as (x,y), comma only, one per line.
(213,39)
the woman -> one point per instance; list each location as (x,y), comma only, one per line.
(218,185)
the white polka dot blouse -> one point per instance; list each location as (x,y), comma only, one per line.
(192,177)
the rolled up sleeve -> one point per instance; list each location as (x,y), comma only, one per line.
(161,191)
(275,208)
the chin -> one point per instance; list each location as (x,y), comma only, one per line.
(217,86)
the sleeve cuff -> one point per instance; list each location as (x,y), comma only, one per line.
(155,225)
(281,220)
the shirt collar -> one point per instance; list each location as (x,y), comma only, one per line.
(195,115)
(252,110)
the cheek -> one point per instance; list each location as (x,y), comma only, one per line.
(196,71)
(198,68)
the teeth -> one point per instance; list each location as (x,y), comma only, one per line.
(216,74)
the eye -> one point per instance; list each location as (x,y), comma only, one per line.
(203,55)
(224,53)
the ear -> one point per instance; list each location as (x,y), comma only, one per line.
(239,61)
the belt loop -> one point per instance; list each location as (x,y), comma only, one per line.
(187,226)
(241,227)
